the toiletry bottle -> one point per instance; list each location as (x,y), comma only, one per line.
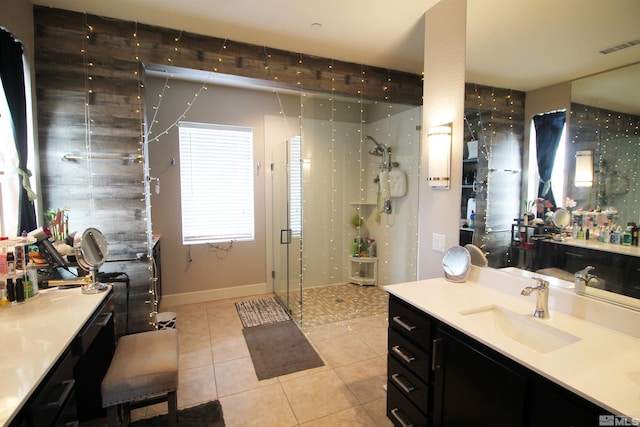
(3,294)
(626,237)
(634,236)
(354,247)
(19,290)
(581,233)
(11,263)
(472,220)
(11,290)
(616,236)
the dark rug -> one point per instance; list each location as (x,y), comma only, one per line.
(280,349)
(205,415)
(261,311)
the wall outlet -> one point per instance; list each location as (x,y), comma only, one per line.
(437,243)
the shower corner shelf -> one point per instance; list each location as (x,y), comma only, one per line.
(363,271)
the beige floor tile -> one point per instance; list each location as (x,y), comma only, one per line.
(263,407)
(195,351)
(318,395)
(238,375)
(377,409)
(195,386)
(225,325)
(228,348)
(344,350)
(376,338)
(365,379)
(352,417)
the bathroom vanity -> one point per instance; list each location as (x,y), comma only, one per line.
(472,354)
(55,350)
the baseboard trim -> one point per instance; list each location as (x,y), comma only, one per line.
(214,294)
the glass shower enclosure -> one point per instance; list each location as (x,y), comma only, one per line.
(287,226)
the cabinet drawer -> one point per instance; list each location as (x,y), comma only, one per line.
(409,385)
(99,320)
(410,322)
(55,396)
(401,411)
(412,357)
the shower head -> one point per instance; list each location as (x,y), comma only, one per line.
(380,148)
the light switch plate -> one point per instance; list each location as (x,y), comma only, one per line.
(437,243)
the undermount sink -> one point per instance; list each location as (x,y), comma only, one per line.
(525,329)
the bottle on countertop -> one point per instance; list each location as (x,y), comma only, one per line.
(626,237)
(617,234)
(11,263)
(3,294)
(19,290)
(472,220)
(634,235)
(11,290)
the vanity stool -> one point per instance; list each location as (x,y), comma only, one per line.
(143,371)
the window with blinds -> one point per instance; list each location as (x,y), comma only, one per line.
(295,187)
(216,183)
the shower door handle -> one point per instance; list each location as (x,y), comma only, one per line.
(285,236)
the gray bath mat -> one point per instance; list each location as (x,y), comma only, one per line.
(280,349)
(261,311)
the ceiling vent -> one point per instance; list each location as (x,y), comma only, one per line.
(620,46)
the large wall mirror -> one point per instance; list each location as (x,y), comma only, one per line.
(605,123)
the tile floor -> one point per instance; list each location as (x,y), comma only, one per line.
(215,364)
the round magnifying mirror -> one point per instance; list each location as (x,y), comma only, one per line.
(91,250)
(456,264)
(561,219)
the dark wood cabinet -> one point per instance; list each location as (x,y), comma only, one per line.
(438,376)
(620,272)
(70,391)
(473,388)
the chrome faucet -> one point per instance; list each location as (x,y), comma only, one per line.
(542,297)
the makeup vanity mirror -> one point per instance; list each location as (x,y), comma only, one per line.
(91,252)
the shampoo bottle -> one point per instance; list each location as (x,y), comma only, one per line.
(354,247)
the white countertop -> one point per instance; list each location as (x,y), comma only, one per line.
(603,366)
(33,335)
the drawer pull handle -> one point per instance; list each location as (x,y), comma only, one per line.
(404,356)
(105,319)
(574,254)
(396,414)
(402,383)
(402,323)
(68,388)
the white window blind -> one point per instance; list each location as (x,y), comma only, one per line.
(295,187)
(216,183)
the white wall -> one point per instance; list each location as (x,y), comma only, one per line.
(444,78)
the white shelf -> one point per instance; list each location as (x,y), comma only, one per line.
(363,271)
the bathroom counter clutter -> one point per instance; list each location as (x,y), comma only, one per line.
(588,347)
(35,337)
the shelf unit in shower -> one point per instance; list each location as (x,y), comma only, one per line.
(363,271)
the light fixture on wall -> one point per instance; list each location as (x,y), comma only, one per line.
(439,157)
(584,168)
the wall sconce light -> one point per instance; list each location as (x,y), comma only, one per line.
(440,157)
(584,168)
